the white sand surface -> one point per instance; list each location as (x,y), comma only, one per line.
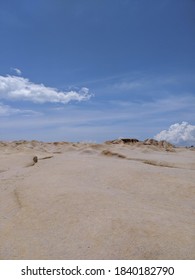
(90,201)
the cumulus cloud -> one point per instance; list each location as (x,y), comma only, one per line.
(182,134)
(19,88)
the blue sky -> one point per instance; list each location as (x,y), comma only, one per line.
(93,70)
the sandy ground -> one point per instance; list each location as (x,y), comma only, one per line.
(90,201)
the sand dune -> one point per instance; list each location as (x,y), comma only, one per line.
(116,200)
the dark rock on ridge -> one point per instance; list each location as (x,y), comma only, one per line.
(123,141)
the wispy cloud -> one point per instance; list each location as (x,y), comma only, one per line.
(144,82)
(6,110)
(19,88)
(178,133)
(17,71)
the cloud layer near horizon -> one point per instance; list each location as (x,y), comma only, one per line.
(183,133)
(19,88)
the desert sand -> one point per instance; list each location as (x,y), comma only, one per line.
(114,200)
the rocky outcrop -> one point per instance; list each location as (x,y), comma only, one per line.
(129,140)
(161,144)
(149,142)
(123,141)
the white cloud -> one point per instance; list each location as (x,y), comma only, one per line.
(6,110)
(18,71)
(140,82)
(183,134)
(19,88)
